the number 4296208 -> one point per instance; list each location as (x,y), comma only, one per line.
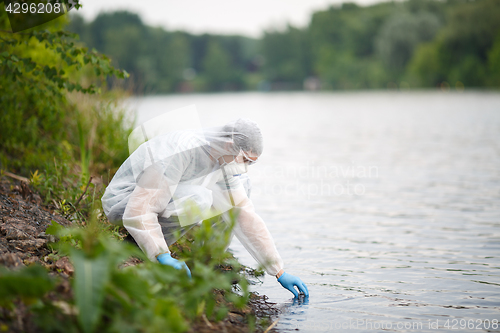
(34,8)
(472,324)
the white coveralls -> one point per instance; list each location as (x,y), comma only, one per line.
(159,180)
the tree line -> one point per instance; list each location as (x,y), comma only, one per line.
(410,44)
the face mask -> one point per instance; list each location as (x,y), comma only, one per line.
(233,168)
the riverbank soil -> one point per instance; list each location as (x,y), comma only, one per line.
(23,242)
(23,221)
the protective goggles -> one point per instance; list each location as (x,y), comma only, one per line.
(247,159)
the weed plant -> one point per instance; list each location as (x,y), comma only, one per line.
(56,106)
(104,297)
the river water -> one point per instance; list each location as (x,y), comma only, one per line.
(386,204)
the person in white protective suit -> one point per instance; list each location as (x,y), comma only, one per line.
(153,190)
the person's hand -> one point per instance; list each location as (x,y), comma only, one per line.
(301,300)
(289,281)
(166,259)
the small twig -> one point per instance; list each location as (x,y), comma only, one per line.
(272,325)
(21,178)
(238,312)
(19,319)
(206,321)
(81,196)
(55,203)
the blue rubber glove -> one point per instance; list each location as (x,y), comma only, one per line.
(166,259)
(288,281)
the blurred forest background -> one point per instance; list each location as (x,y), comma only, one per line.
(50,80)
(410,44)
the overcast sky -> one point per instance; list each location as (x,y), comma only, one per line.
(216,16)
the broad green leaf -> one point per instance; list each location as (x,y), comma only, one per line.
(91,276)
(54,228)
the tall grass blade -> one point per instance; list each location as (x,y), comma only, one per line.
(84,153)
